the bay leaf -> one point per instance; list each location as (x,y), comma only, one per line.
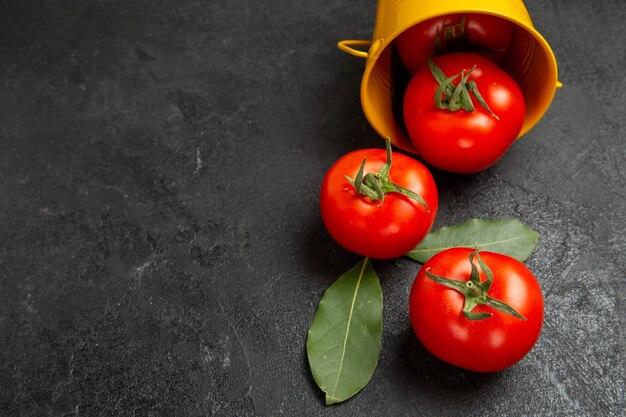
(506,236)
(344,340)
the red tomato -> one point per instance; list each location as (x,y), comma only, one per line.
(486,35)
(486,345)
(464,141)
(386,228)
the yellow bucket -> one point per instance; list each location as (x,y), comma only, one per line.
(530,61)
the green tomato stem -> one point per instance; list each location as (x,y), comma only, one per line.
(454,98)
(376,184)
(475,292)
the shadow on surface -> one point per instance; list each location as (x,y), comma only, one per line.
(419,369)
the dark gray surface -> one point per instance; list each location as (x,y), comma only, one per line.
(161,250)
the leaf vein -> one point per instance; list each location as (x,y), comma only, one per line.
(326,330)
(345,340)
(468,245)
(329,349)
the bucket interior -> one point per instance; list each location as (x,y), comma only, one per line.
(529,61)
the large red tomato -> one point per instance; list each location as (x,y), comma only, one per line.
(377,227)
(490,337)
(486,35)
(463,140)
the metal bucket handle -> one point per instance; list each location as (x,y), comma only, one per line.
(347,46)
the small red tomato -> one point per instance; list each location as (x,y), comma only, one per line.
(375,209)
(470,130)
(479,311)
(487,35)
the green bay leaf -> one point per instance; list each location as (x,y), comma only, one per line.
(506,236)
(344,340)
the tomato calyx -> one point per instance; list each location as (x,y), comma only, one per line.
(376,184)
(453,38)
(457,97)
(475,291)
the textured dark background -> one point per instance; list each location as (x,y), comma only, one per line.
(161,249)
